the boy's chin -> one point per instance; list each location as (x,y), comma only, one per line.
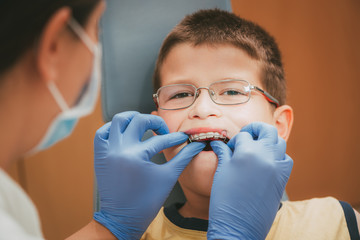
(198,175)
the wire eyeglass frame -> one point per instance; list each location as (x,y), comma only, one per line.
(249,86)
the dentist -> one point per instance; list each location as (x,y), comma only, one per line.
(49,78)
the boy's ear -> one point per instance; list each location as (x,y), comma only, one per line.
(284,118)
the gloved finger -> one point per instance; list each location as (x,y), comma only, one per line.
(244,144)
(183,158)
(286,166)
(241,137)
(119,124)
(158,143)
(260,131)
(287,161)
(101,137)
(281,149)
(103,132)
(143,122)
(222,150)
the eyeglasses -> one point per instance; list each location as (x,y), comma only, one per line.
(224,92)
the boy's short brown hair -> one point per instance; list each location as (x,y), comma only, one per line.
(213,27)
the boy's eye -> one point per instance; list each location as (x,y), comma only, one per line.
(233,92)
(181,95)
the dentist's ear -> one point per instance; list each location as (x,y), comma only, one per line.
(284,117)
(52,45)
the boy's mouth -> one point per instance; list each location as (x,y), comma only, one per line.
(208,137)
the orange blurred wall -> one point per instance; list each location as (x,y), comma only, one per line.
(320,45)
(321,53)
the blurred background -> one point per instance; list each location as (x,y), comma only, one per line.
(319,41)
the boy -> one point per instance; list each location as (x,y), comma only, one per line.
(209,79)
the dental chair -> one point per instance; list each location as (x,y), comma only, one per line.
(132,33)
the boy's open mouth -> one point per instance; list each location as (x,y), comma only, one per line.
(208,137)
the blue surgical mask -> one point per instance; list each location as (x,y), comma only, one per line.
(65,122)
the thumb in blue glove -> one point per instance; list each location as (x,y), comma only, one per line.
(248,184)
(132,189)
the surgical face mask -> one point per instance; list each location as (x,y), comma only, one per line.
(64,123)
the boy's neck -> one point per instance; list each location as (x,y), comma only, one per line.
(196,206)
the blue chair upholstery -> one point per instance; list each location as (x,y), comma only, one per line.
(133,31)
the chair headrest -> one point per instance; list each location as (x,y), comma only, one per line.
(132,33)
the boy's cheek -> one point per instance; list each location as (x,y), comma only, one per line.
(172,119)
(172,151)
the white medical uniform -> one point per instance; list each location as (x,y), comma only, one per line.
(18,216)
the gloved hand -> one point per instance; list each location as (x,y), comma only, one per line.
(248,184)
(132,189)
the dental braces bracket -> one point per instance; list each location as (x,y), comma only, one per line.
(211,136)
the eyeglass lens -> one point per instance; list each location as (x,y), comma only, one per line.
(223,92)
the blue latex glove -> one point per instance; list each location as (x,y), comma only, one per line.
(132,189)
(248,184)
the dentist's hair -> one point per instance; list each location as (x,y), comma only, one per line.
(215,27)
(22,22)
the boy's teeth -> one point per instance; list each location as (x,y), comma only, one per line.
(208,135)
(203,136)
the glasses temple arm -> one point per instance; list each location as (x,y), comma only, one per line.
(156,101)
(270,98)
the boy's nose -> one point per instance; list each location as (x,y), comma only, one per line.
(204,106)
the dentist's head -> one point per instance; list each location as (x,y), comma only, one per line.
(49,71)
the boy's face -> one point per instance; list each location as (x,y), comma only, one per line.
(201,66)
